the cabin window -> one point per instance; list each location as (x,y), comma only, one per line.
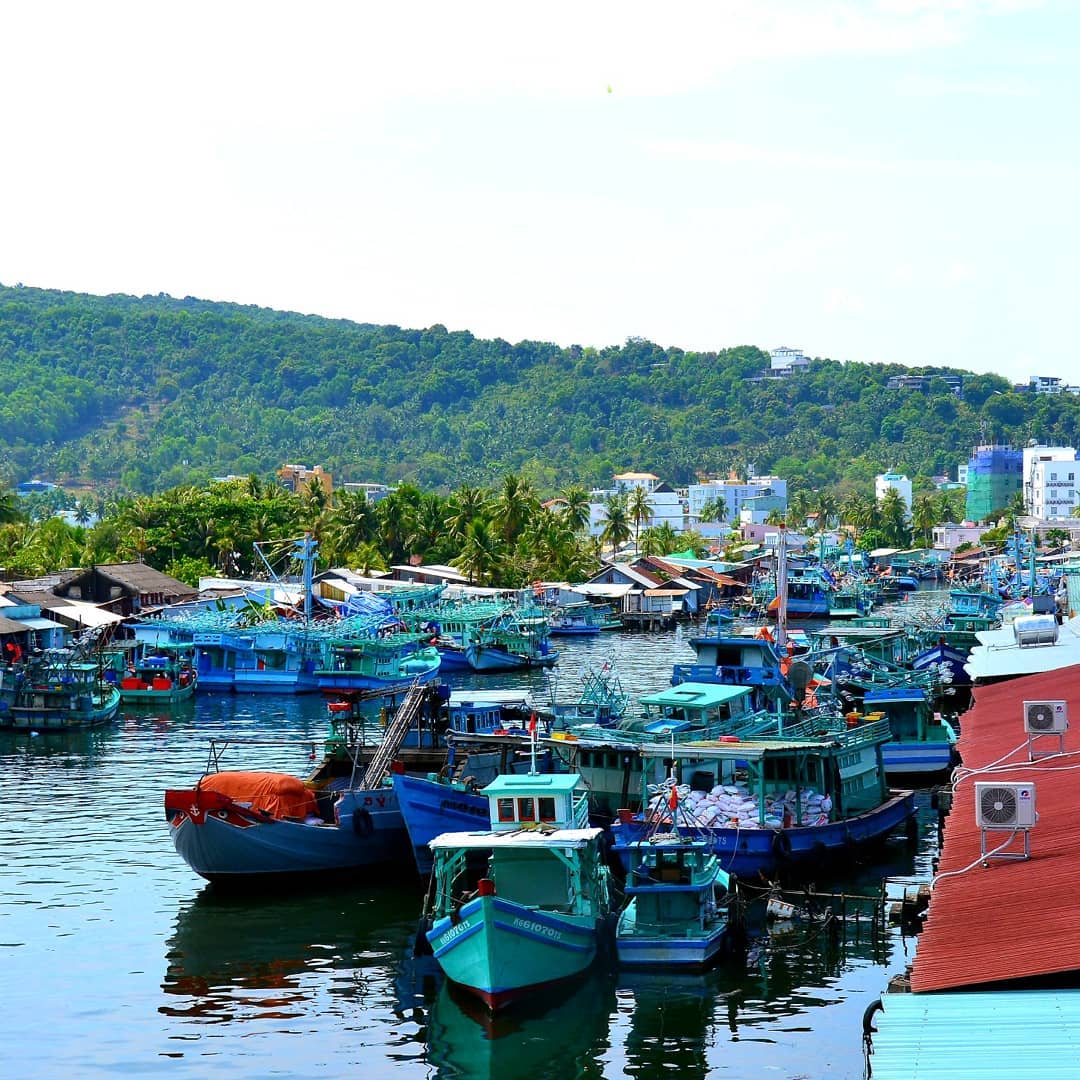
(526,810)
(506,810)
(547,808)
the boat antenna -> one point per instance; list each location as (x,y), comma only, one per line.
(781,586)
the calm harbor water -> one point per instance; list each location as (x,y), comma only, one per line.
(116,959)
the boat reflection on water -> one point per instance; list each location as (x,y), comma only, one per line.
(551,1035)
(239,958)
(674,1017)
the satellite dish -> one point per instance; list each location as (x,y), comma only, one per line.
(799,675)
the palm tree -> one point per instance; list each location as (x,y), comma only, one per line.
(616,530)
(514,505)
(352,523)
(924,516)
(466,504)
(639,509)
(894,517)
(481,556)
(826,509)
(576,508)
(714,510)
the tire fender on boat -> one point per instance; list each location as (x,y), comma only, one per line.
(781,844)
(362,823)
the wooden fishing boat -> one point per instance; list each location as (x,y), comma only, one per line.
(782,804)
(58,690)
(162,674)
(524,904)
(677,903)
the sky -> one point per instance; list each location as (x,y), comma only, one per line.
(885,181)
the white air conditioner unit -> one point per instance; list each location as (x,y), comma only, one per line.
(1005,806)
(1046,717)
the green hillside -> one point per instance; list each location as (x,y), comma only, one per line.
(148,393)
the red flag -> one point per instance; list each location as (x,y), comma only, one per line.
(532,724)
(673,799)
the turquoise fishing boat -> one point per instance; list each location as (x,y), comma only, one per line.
(57,691)
(678,904)
(161,674)
(526,903)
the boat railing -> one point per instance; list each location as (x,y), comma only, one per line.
(733,674)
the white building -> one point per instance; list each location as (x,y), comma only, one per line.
(899,482)
(786,360)
(734,493)
(665,504)
(1050,481)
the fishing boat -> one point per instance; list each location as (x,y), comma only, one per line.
(375,662)
(778,805)
(923,741)
(248,827)
(575,620)
(58,690)
(600,700)
(512,643)
(677,903)
(524,904)
(162,674)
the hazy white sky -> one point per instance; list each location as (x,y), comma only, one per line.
(874,180)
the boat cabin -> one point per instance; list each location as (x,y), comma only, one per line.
(537,801)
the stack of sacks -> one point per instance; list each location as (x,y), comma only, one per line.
(807,806)
(726,806)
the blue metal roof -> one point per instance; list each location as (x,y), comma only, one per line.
(1021,1034)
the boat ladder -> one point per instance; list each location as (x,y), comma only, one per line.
(404,718)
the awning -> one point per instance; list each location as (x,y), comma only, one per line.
(42,624)
(81,615)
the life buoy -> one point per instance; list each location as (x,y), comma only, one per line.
(362,823)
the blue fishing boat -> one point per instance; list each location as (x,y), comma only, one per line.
(600,700)
(160,674)
(512,643)
(923,742)
(376,662)
(782,804)
(677,903)
(524,904)
(283,659)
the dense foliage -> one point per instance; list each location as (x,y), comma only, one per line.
(145,394)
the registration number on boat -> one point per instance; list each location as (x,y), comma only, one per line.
(538,928)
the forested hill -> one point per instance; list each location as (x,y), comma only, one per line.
(152,392)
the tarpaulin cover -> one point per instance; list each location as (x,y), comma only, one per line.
(279,794)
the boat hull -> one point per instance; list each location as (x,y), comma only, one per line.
(58,717)
(918,758)
(499,950)
(225,845)
(492,658)
(793,851)
(429,808)
(643,951)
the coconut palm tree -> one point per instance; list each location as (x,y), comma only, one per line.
(514,504)
(639,509)
(616,530)
(894,518)
(924,516)
(481,555)
(466,503)
(575,508)
(714,509)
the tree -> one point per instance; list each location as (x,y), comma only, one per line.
(924,516)
(714,509)
(639,509)
(575,507)
(894,518)
(481,555)
(616,530)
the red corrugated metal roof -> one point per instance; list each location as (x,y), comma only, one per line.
(1011,920)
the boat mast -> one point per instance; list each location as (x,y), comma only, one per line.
(781,587)
(305,552)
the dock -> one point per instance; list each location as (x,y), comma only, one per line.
(994,989)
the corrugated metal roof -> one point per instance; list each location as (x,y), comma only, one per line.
(1014,919)
(1022,1035)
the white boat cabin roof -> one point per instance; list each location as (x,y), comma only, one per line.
(524,839)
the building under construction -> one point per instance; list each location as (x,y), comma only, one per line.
(994,475)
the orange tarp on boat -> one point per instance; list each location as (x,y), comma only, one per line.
(279,794)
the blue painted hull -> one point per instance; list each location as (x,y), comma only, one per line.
(429,808)
(275,682)
(914,757)
(953,659)
(796,850)
(492,658)
(343,682)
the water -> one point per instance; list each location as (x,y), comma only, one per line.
(116,959)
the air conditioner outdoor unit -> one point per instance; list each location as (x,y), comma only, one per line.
(1005,806)
(1046,717)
